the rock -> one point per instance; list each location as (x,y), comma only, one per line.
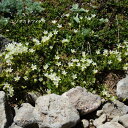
(85,123)
(5,112)
(24,116)
(115,109)
(124,120)
(122,88)
(111,125)
(100,120)
(54,111)
(85,102)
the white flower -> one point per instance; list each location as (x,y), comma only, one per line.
(65,40)
(17,78)
(45,38)
(93,15)
(45,32)
(54,21)
(93,63)
(72,83)
(73,51)
(83,54)
(50,34)
(83,60)
(89,61)
(67,15)
(59,25)
(105,52)
(58,64)
(95,71)
(57,57)
(97,52)
(48,91)
(69,24)
(75,30)
(25,77)
(31,50)
(86,10)
(42,20)
(64,72)
(119,58)
(36,41)
(55,32)
(40,79)
(74,76)
(33,67)
(9,69)
(70,64)
(75,60)
(78,64)
(110,61)
(89,18)
(51,47)
(45,66)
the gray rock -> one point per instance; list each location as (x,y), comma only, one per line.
(54,111)
(115,109)
(111,125)
(85,102)
(122,88)
(100,120)
(85,123)
(5,112)
(124,120)
(24,116)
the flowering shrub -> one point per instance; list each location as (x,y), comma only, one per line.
(64,53)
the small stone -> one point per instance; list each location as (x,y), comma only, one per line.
(85,102)
(85,123)
(100,120)
(111,125)
(124,120)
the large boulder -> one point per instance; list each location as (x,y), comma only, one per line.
(54,111)
(24,116)
(111,125)
(85,102)
(5,112)
(122,88)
